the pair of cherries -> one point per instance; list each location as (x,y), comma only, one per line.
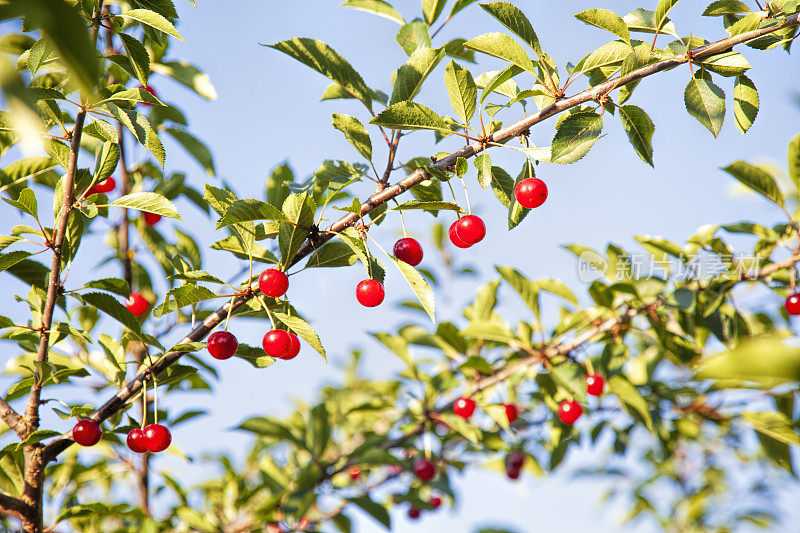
(466,231)
(153,438)
(415,512)
(277,343)
(370,292)
(465,407)
(569,411)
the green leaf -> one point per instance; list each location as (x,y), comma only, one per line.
(150,202)
(195,148)
(461,4)
(757,179)
(410,77)
(499,82)
(139,58)
(793,155)
(431,9)
(416,204)
(12,258)
(141,129)
(725,7)
(414,35)
(575,136)
(462,91)
(774,425)
(351,238)
(318,430)
(248,210)
(760,360)
(727,63)
(606,20)
(662,10)
(152,19)
(110,306)
(515,20)
(182,296)
(609,54)
(420,287)
(188,75)
(322,58)
(303,330)
(378,7)
(375,510)
(705,102)
(115,285)
(483,163)
(332,254)
(25,202)
(267,427)
(503,47)
(527,289)
(745,103)
(106,163)
(134,95)
(631,400)
(355,132)
(640,129)
(254,356)
(410,116)
(644,21)
(299,210)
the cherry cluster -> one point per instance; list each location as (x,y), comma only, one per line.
(152,438)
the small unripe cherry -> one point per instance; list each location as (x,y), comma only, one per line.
(464,407)
(222,344)
(454,238)
(87,432)
(595,384)
(137,304)
(569,411)
(424,469)
(792,304)
(369,293)
(471,229)
(413,513)
(354,472)
(408,250)
(157,438)
(151,219)
(277,343)
(435,502)
(136,441)
(530,192)
(273,282)
(511,412)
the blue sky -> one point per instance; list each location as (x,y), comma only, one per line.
(268,111)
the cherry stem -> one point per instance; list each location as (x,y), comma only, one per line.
(466,194)
(589,367)
(230,310)
(144,403)
(269,313)
(402,219)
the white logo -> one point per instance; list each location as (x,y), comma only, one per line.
(591,266)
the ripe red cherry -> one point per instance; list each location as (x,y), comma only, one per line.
(511,412)
(86,432)
(793,304)
(273,283)
(107,185)
(354,472)
(454,238)
(569,411)
(435,502)
(369,292)
(531,192)
(408,250)
(136,441)
(137,304)
(151,91)
(595,384)
(151,219)
(413,513)
(471,229)
(515,460)
(294,349)
(157,438)
(222,344)
(424,469)
(277,343)
(464,407)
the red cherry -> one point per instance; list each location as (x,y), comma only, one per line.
(222,344)
(595,384)
(136,441)
(137,304)
(454,238)
(151,219)
(87,432)
(355,472)
(294,349)
(511,412)
(408,250)
(105,186)
(151,91)
(273,283)
(793,304)
(277,343)
(471,229)
(515,460)
(413,513)
(435,502)
(512,473)
(464,407)
(531,192)
(569,411)
(369,293)
(156,438)
(424,469)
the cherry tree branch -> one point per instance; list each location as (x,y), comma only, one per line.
(386,193)
(12,419)
(14,506)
